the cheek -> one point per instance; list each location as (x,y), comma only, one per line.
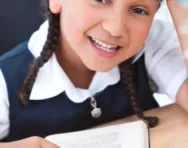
(138,35)
(76,22)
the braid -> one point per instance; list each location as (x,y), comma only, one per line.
(48,49)
(127,77)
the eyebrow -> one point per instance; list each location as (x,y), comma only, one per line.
(158,1)
(154,0)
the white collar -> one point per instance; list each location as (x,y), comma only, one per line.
(52,80)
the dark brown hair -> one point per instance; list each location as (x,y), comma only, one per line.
(126,70)
(48,49)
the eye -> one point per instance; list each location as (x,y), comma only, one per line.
(103,1)
(140,11)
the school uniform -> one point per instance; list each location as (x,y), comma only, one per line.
(57,106)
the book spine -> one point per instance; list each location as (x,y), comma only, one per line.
(149,141)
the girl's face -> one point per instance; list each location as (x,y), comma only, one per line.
(103,33)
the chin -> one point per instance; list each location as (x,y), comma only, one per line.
(99,68)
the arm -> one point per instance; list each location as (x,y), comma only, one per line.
(180,20)
(182,96)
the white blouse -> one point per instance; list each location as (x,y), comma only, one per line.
(163,59)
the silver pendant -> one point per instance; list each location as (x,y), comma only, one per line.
(96,112)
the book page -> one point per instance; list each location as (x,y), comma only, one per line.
(129,135)
(110,140)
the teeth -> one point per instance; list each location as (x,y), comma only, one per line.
(105,49)
(104,44)
(109,46)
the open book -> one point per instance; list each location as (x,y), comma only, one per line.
(127,135)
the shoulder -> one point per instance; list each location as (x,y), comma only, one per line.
(16,51)
(16,57)
(15,63)
(164,59)
(160,32)
(162,43)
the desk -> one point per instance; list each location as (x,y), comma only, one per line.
(172,131)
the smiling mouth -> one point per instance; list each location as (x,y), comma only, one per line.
(104,46)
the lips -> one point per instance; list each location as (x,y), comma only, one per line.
(104,46)
(104,49)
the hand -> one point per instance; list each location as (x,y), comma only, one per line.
(33,142)
(179,13)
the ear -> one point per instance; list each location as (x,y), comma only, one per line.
(55,6)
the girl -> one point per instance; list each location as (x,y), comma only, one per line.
(84,67)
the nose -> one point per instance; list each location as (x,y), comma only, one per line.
(116,24)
